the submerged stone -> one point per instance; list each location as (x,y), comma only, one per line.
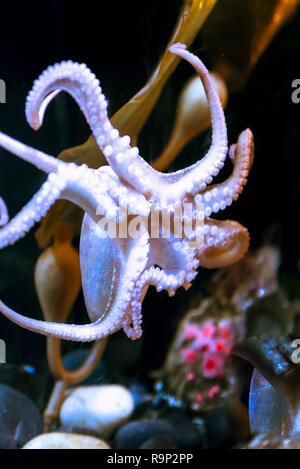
(101,409)
(20,419)
(134,434)
(65,441)
(159,442)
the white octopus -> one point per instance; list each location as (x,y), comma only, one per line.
(117,271)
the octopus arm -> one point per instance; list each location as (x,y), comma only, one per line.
(3,213)
(111,269)
(226,242)
(216,198)
(41,160)
(77,80)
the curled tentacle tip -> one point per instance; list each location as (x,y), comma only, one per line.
(35,125)
(248,139)
(247,136)
(177,46)
(35,121)
(36,106)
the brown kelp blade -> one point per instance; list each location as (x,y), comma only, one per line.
(131,117)
(237,34)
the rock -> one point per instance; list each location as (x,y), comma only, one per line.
(20,419)
(135,433)
(159,442)
(187,433)
(101,409)
(26,380)
(65,441)
(7,442)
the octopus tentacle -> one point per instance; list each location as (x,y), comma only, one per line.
(226,242)
(179,269)
(109,321)
(3,213)
(81,333)
(166,189)
(202,172)
(151,276)
(33,211)
(217,197)
(133,318)
(110,272)
(126,196)
(177,264)
(118,268)
(75,183)
(132,323)
(41,160)
(173,186)
(78,81)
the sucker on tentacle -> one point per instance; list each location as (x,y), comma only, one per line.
(118,269)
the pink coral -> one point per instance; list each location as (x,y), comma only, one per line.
(214,390)
(212,365)
(190,376)
(208,348)
(189,355)
(191,332)
(199,398)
